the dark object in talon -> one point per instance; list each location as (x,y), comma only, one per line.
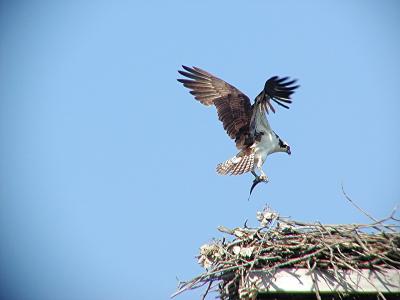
(256,181)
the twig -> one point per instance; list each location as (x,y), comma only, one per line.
(208,288)
(356,206)
(314,279)
(363,211)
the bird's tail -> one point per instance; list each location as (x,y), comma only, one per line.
(239,164)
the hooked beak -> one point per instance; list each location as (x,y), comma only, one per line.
(288,151)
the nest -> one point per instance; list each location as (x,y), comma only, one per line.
(279,242)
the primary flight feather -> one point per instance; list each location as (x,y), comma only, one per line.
(244,122)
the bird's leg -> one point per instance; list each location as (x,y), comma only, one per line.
(258,178)
(263,176)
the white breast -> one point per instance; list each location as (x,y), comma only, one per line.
(269,142)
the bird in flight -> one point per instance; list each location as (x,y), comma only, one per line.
(244,122)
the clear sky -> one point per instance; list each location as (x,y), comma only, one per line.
(107,164)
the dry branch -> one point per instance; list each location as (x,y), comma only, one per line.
(280,242)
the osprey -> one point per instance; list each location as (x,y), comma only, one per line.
(244,122)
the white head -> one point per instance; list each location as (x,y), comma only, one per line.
(284,147)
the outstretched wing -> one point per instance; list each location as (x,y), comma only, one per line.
(278,90)
(233,107)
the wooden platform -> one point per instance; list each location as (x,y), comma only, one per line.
(295,281)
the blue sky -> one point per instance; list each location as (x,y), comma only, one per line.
(107,182)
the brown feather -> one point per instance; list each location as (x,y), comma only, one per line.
(243,162)
(233,107)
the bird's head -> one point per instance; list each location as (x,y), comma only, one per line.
(284,147)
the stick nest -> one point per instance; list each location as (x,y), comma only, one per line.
(280,242)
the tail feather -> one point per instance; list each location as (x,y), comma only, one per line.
(237,165)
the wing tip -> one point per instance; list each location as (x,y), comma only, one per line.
(280,90)
(186,68)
